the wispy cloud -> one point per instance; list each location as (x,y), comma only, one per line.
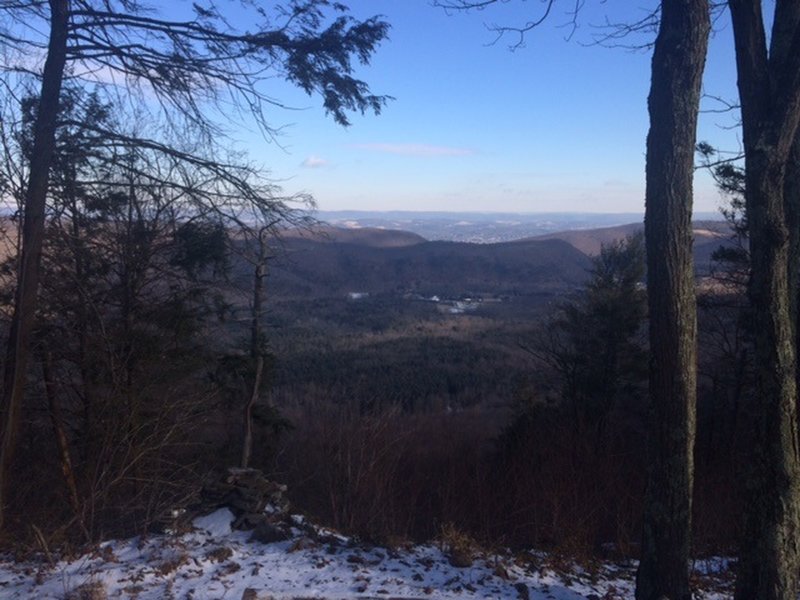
(416,149)
(314,162)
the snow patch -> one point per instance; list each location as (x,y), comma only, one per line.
(216,524)
(215,562)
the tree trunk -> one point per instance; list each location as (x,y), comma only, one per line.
(791,203)
(76,244)
(56,419)
(677,68)
(768,558)
(247,440)
(256,351)
(769,90)
(25,300)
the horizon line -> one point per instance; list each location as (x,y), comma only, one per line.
(498,212)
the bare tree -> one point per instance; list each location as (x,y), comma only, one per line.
(769,91)
(257,242)
(182,69)
(674,101)
(19,340)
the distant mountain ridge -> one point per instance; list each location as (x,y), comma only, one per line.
(381,261)
(589,241)
(373,237)
(335,261)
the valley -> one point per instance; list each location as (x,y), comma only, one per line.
(386,318)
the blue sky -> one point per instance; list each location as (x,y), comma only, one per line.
(558,125)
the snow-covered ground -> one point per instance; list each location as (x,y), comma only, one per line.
(213,561)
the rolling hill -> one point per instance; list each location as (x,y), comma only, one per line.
(333,261)
(708,236)
(381,261)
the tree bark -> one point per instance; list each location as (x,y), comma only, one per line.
(791,203)
(247,439)
(769,90)
(18,349)
(768,557)
(256,351)
(677,69)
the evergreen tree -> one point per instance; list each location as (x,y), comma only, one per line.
(594,342)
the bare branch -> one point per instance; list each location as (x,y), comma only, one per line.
(517,32)
(613,34)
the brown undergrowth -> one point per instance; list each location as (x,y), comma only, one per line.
(529,480)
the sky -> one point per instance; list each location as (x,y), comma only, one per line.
(557,125)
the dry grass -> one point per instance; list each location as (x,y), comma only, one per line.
(459,546)
(93,590)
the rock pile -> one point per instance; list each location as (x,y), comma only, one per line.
(257,502)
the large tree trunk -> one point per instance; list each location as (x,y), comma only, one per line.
(768,559)
(791,203)
(769,89)
(18,350)
(677,69)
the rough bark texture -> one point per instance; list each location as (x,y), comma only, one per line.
(769,89)
(791,203)
(677,68)
(18,350)
(769,551)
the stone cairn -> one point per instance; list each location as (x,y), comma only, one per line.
(258,503)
